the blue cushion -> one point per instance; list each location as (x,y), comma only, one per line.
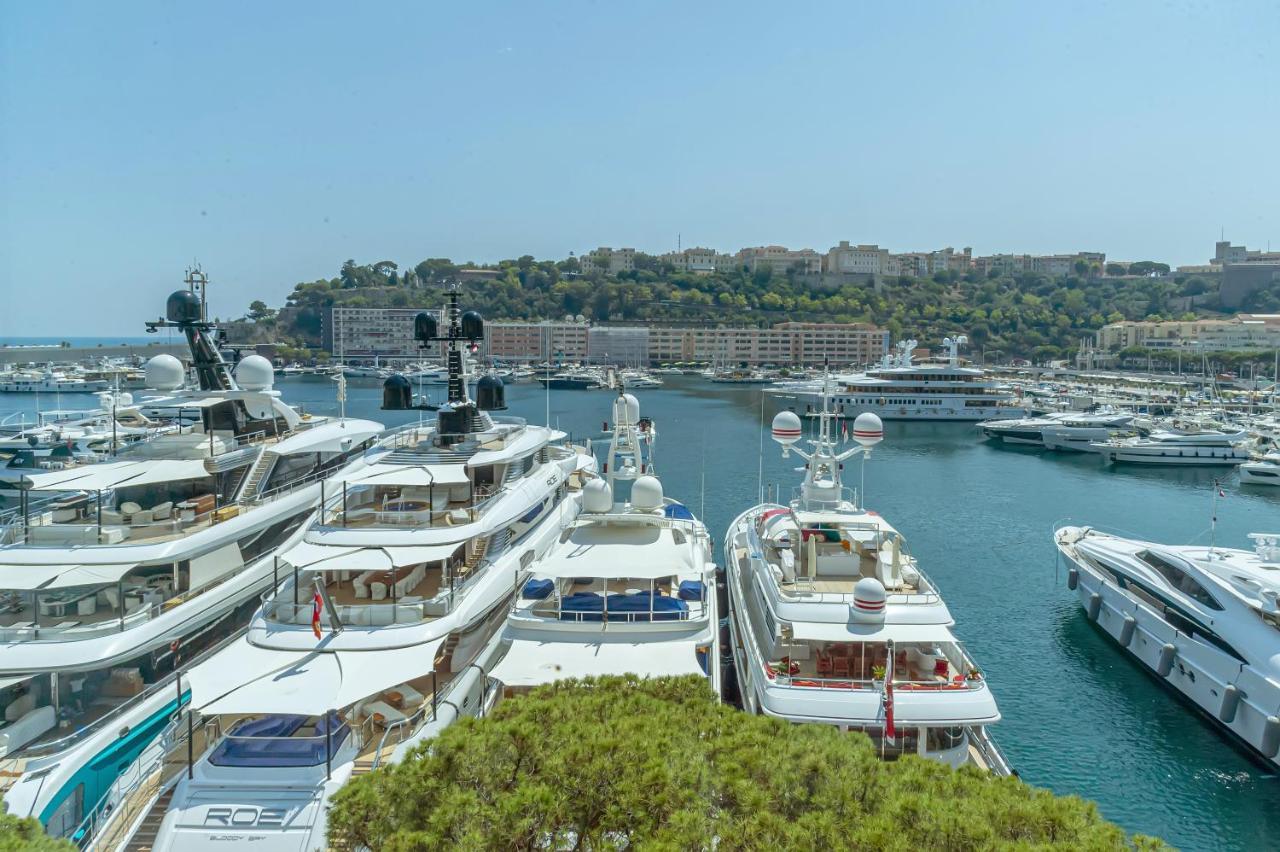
(678,512)
(537,589)
(691,590)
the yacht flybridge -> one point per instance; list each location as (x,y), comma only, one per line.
(1204,619)
(900,390)
(627,588)
(116,573)
(834,622)
(377,633)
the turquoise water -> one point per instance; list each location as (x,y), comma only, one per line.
(1078,716)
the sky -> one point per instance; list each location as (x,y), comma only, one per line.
(272,141)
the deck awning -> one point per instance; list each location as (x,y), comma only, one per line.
(419,475)
(246,678)
(647,552)
(318,557)
(108,475)
(853,632)
(529,662)
(92,575)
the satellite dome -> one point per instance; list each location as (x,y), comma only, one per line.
(491,395)
(183,306)
(165,373)
(254,373)
(868,600)
(786,428)
(646,493)
(626,410)
(597,497)
(867,429)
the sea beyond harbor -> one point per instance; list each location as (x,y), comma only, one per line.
(1079,717)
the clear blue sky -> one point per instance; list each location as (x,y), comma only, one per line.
(274,140)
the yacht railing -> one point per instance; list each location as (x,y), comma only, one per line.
(991,755)
(844,498)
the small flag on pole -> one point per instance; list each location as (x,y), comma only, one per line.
(316,603)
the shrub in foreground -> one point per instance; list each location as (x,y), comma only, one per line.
(620,762)
(27,835)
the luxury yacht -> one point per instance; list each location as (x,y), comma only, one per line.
(577,378)
(116,573)
(1204,619)
(49,381)
(377,635)
(63,437)
(1203,447)
(833,622)
(627,588)
(1072,430)
(901,390)
(1263,470)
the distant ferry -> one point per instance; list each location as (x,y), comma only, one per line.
(900,390)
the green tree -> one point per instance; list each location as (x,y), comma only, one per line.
(1117,269)
(621,763)
(258,311)
(27,835)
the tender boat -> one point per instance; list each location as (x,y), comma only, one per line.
(628,588)
(377,636)
(833,621)
(1203,619)
(116,574)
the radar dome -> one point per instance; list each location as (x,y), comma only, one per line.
(868,600)
(254,373)
(183,306)
(626,410)
(165,373)
(786,428)
(867,429)
(646,493)
(597,497)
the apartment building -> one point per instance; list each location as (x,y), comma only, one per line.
(702,261)
(608,260)
(1055,265)
(369,333)
(547,340)
(1224,253)
(780,260)
(1242,333)
(859,260)
(612,344)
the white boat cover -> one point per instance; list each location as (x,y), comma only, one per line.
(319,557)
(245,678)
(107,475)
(530,662)
(91,575)
(618,551)
(333,437)
(834,632)
(30,576)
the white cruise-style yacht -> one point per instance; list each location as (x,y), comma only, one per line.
(1200,447)
(833,622)
(627,588)
(1205,620)
(378,634)
(115,574)
(901,390)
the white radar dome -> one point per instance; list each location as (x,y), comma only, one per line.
(867,429)
(255,373)
(626,410)
(646,493)
(786,428)
(597,496)
(868,600)
(165,373)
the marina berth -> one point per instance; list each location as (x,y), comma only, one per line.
(1204,620)
(627,588)
(834,622)
(116,574)
(376,632)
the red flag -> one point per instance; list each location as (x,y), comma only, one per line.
(316,603)
(889,731)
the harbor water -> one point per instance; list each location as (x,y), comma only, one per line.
(1079,717)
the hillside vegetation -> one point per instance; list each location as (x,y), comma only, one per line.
(1031,316)
(622,763)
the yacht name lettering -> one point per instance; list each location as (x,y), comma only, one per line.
(245,816)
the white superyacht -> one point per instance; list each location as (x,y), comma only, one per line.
(115,574)
(628,588)
(1205,620)
(378,635)
(833,622)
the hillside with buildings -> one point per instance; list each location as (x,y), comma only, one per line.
(772,304)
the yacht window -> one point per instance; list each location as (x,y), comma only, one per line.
(1179,579)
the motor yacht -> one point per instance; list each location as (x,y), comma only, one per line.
(49,381)
(628,588)
(116,573)
(377,635)
(833,621)
(901,390)
(1263,470)
(1202,447)
(578,378)
(1070,430)
(1204,619)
